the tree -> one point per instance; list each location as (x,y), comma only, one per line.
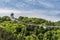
(6,18)
(40,36)
(32,37)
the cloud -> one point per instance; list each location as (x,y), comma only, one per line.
(31,8)
(21,5)
(9,11)
(27,4)
(45,14)
(46,4)
(40,2)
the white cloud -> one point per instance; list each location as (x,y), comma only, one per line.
(45,14)
(9,11)
(21,5)
(46,4)
(51,15)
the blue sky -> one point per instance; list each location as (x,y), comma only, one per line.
(47,9)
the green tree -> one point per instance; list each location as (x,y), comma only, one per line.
(6,18)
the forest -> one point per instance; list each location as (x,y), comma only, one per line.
(25,28)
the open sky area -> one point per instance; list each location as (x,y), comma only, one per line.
(46,9)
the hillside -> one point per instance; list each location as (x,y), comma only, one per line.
(24,28)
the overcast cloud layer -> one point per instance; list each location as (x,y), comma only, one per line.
(47,9)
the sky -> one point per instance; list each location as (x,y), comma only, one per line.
(46,9)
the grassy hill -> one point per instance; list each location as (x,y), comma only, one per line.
(25,28)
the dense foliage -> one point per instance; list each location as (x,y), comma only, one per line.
(25,28)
